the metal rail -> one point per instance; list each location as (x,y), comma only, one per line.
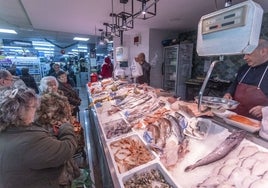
(205,84)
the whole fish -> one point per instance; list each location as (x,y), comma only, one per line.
(144,100)
(176,128)
(134,101)
(130,99)
(165,127)
(182,120)
(229,144)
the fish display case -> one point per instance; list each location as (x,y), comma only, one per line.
(153,144)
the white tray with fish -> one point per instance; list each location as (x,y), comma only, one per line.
(222,113)
(116,128)
(204,155)
(242,122)
(152,175)
(198,128)
(217,102)
(128,153)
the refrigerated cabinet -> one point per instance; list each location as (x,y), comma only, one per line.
(177,68)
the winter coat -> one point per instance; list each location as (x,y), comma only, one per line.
(30,82)
(107,68)
(31,158)
(72,96)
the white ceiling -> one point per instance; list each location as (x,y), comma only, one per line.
(60,20)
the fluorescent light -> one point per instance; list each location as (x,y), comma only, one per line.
(80,38)
(11,31)
(46,49)
(16,50)
(40,43)
(82,47)
(77,50)
(11,47)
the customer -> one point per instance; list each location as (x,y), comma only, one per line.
(28,79)
(68,68)
(48,84)
(53,98)
(6,79)
(30,156)
(55,69)
(53,112)
(69,92)
(146,68)
(107,68)
(52,102)
(250,88)
(17,82)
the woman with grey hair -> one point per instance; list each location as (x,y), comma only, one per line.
(30,156)
(54,111)
(49,84)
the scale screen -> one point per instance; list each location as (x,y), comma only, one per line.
(226,20)
(233,30)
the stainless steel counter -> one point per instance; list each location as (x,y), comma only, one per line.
(103,168)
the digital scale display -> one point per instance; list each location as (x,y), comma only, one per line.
(226,20)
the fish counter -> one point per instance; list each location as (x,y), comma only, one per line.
(145,139)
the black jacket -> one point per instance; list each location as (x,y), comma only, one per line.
(252,78)
(30,82)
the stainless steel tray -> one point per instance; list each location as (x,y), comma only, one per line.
(217,102)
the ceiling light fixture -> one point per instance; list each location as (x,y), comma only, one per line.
(12,47)
(147,11)
(42,43)
(143,7)
(82,47)
(42,48)
(10,31)
(80,39)
(125,20)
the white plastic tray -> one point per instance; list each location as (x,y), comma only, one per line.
(223,114)
(110,125)
(146,169)
(199,132)
(246,127)
(112,153)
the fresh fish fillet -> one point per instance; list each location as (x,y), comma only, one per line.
(229,144)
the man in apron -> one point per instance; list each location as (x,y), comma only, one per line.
(250,88)
(146,68)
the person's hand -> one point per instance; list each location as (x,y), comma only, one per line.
(256,111)
(228,96)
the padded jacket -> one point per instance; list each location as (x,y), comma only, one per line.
(31,158)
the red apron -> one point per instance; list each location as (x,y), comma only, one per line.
(249,96)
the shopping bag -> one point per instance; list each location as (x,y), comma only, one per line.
(136,69)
